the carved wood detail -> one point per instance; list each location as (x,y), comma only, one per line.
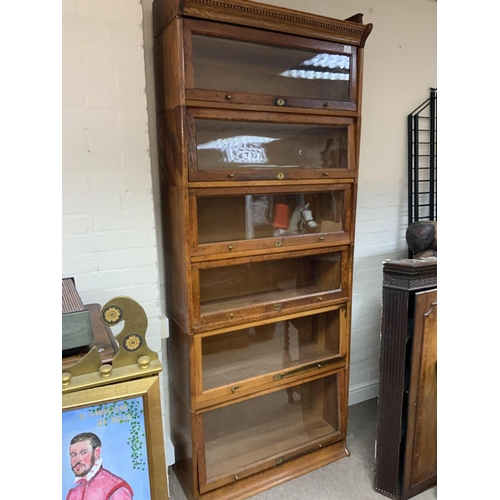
(248,13)
(409,283)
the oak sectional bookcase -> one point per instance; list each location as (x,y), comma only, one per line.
(259,119)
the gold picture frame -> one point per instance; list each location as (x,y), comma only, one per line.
(128,416)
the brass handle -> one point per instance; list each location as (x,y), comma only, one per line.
(326,105)
(277,307)
(278,243)
(280,102)
(430,310)
(280,176)
(231,176)
(325,174)
(308,367)
(236,478)
(231,315)
(279,460)
(229,97)
(320,299)
(230,247)
(321,238)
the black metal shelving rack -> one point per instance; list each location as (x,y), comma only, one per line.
(422,161)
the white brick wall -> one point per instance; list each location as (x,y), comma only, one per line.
(109,231)
(109,240)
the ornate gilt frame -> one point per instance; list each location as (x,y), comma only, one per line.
(148,389)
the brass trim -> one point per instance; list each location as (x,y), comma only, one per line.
(134,358)
(310,366)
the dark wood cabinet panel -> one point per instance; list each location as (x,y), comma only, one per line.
(421,445)
(406,451)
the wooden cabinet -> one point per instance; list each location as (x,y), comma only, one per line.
(259,116)
(406,451)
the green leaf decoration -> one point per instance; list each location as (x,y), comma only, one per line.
(131,415)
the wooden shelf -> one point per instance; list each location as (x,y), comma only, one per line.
(221,372)
(262,298)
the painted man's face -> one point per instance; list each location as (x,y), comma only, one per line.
(82,458)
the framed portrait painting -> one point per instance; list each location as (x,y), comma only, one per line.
(112,443)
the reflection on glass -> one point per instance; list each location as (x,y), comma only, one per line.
(281,423)
(250,352)
(236,66)
(245,217)
(309,69)
(240,149)
(263,282)
(269,145)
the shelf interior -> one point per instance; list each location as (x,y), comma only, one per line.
(251,352)
(241,435)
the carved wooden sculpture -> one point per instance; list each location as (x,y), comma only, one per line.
(421,237)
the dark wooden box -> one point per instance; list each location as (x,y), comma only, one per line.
(76,325)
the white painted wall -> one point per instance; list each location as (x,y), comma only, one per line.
(111,235)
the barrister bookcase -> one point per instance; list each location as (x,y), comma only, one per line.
(259,122)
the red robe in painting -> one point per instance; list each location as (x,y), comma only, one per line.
(104,485)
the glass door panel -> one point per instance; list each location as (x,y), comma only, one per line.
(240,66)
(236,145)
(253,283)
(239,355)
(246,217)
(245,289)
(270,429)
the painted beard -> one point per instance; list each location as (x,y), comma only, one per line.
(85,470)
